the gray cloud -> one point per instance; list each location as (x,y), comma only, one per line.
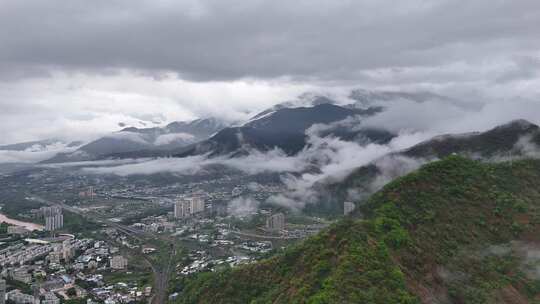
(256,162)
(223,40)
(528,254)
(75,69)
(78,106)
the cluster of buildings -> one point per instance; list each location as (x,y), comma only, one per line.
(121,293)
(16,296)
(100,256)
(42,266)
(202,261)
(21,254)
(99,259)
(156,224)
(53,267)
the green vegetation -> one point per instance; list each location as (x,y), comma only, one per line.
(455,231)
(71,292)
(13,284)
(15,205)
(140,278)
(74,223)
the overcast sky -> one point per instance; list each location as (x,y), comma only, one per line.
(77,68)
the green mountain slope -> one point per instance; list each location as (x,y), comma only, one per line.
(517,139)
(456,231)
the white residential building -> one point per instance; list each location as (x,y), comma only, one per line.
(118,262)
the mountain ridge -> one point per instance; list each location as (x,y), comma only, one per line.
(284,129)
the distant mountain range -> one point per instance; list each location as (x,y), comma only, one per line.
(282,126)
(138,141)
(501,141)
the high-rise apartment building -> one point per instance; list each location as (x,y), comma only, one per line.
(348,207)
(54,219)
(276,222)
(179,208)
(186,207)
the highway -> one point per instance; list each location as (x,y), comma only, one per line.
(161,272)
(162,278)
(265,237)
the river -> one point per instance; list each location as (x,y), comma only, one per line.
(27,225)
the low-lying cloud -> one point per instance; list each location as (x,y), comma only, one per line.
(528,253)
(256,162)
(393,166)
(527,147)
(436,117)
(35,153)
(243,206)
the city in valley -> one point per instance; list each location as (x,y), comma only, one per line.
(121,243)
